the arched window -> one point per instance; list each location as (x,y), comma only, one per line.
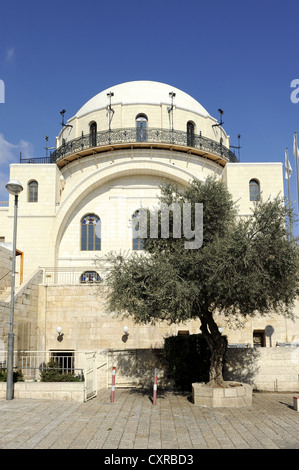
(90,233)
(254,190)
(137,220)
(93,134)
(33,191)
(190,133)
(89,277)
(141,128)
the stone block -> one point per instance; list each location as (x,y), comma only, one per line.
(229,402)
(47,390)
(241,391)
(218,402)
(218,392)
(203,391)
(203,401)
(233,395)
(230,392)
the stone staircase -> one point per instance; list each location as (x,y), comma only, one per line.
(5,294)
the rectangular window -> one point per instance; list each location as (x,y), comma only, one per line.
(259,339)
(65,361)
(33,195)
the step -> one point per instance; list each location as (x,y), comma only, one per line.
(4,293)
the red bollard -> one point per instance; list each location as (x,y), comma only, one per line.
(113,385)
(155,388)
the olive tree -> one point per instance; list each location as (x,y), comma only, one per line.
(242,267)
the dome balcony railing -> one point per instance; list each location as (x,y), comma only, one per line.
(140,136)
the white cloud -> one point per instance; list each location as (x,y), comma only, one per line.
(11,152)
(7,151)
(26,148)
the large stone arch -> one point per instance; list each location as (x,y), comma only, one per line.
(106,174)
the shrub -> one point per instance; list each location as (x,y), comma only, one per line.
(17,376)
(54,373)
(187,360)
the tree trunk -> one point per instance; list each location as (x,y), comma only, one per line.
(217,345)
(216,364)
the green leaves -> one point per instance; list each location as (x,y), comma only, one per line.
(244,266)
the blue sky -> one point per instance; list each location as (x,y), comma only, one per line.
(235,55)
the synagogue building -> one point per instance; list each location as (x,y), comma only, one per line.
(78,204)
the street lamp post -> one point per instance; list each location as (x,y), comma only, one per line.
(14,187)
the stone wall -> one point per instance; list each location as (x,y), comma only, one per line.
(25,315)
(4,320)
(136,368)
(5,282)
(87,325)
(5,267)
(70,391)
(237,178)
(266,369)
(81,311)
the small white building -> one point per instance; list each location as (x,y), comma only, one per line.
(77,205)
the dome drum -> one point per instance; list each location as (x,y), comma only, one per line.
(130,137)
(163,117)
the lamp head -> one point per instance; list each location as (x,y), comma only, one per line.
(14,187)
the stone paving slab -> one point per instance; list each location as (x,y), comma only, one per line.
(133,422)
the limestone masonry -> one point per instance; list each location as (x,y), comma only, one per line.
(78,205)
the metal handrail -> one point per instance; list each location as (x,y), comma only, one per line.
(33,362)
(6,274)
(72,274)
(134,135)
(36,160)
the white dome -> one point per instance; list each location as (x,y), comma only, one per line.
(142,92)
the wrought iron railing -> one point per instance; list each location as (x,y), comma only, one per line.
(31,363)
(77,275)
(83,364)
(37,160)
(133,135)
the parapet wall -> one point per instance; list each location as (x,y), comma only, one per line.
(273,369)
(25,315)
(266,369)
(5,267)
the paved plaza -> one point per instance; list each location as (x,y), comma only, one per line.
(133,422)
